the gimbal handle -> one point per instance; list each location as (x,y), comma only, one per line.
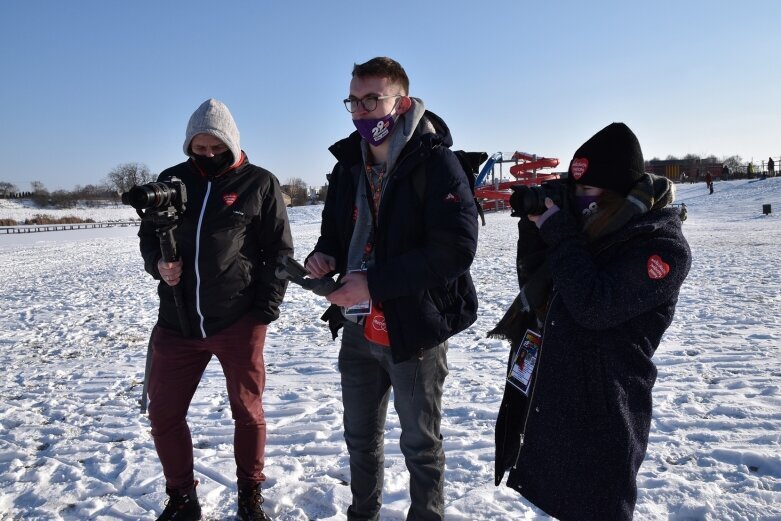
(165,224)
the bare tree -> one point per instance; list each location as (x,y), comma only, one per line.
(733,162)
(7,189)
(93,192)
(61,199)
(127,175)
(40,194)
(38,188)
(297,190)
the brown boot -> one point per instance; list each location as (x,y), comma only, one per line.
(182,505)
(251,504)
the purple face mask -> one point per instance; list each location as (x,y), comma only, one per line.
(375,130)
(587,204)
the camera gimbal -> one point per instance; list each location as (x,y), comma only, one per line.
(290,269)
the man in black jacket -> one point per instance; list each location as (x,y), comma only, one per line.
(234,228)
(400,228)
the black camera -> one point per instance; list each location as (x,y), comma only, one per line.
(530,200)
(161,194)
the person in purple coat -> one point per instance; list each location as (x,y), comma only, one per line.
(599,276)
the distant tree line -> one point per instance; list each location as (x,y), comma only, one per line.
(57,198)
(125,176)
(733,162)
(736,167)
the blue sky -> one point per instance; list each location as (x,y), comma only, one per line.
(88,85)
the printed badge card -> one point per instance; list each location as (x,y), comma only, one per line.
(524,361)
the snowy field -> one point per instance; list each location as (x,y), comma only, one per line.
(76,310)
(21,209)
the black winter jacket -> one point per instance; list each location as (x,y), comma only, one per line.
(590,409)
(234,228)
(424,244)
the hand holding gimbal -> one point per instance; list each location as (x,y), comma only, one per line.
(292,270)
(162,204)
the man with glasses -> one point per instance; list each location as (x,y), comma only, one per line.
(400,228)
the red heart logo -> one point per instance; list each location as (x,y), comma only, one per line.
(579,167)
(229,198)
(657,268)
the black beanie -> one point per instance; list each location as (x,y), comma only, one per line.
(610,159)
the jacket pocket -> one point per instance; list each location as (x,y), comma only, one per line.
(442,298)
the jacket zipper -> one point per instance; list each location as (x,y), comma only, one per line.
(197,257)
(534,385)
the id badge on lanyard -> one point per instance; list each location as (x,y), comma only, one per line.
(361,308)
(524,360)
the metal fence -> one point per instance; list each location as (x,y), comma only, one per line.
(33,228)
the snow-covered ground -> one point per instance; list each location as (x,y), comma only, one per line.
(76,309)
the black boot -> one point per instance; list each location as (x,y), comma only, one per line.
(251,504)
(182,505)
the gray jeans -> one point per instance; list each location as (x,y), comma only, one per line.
(368,375)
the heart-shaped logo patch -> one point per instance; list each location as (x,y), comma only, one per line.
(229,198)
(579,167)
(657,268)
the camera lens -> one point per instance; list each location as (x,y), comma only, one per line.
(151,195)
(528,200)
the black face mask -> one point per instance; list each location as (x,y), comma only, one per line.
(214,166)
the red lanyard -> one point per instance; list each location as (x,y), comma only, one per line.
(376,188)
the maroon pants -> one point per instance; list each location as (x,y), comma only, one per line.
(177,366)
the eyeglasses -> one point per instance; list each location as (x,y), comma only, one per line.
(369,102)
